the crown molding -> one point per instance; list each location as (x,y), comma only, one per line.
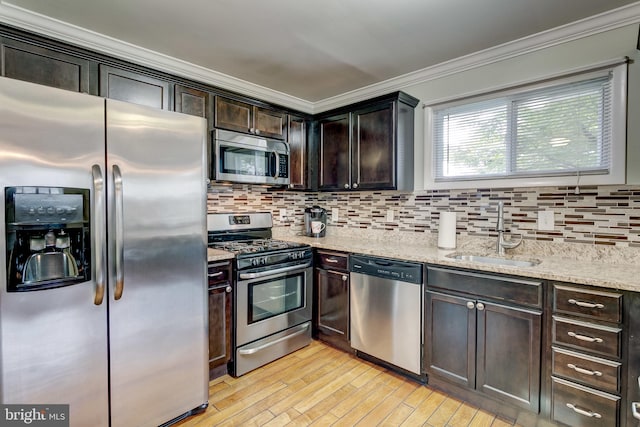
(56,29)
(616,18)
(44,25)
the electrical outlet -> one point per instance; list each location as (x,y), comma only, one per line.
(335,215)
(283,214)
(546,221)
(390,215)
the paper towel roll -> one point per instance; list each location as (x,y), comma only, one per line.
(447,230)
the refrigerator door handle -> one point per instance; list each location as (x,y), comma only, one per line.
(99,227)
(119,229)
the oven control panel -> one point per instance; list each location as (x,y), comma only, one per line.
(297,256)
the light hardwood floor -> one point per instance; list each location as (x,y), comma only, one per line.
(321,386)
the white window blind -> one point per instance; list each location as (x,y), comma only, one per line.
(559,128)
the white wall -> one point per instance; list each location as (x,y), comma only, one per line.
(535,65)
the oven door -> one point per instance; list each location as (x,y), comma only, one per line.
(271,301)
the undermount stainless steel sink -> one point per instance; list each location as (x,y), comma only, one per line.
(494,260)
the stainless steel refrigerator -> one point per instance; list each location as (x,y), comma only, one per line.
(103,287)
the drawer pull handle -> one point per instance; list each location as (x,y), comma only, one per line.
(584,371)
(584,337)
(635,409)
(584,412)
(332,260)
(218,274)
(585,304)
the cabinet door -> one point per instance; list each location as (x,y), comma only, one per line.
(47,67)
(332,307)
(508,355)
(334,173)
(220,300)
(194,102)
(298,156)
(373,148)
(133,87)
(233,115)
(450,342)
(270,123)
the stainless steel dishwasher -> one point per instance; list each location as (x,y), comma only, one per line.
(386,310)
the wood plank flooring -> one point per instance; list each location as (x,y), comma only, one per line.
(321,386)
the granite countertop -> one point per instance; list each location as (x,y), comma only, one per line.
(218,255)
(576,263)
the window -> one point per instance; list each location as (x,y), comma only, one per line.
(557,132)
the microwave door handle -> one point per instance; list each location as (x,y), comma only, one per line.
(274,164)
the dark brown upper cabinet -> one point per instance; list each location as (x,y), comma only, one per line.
(45,66)
(137,88)
(300,170)
(195,102)
(334,171)
(242,117)
(368,146)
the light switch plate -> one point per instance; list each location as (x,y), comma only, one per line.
(335,215)
(283,214)
(390,215)
(546,220)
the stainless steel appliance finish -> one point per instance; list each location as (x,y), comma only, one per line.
(386,310)
(274,291)
(250,159)
(127,346)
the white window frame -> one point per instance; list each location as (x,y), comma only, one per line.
(617,171)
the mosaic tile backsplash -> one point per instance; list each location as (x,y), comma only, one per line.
(598,215)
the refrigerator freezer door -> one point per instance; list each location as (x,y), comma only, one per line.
(157,279)
(53,342)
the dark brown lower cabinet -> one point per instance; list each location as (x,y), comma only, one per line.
(487,347)
(509,341)
(331,317)
(220,320)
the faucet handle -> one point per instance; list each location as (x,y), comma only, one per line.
(511,244)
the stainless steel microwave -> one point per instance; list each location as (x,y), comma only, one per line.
(250,159)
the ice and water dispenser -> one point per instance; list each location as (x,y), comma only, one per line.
(47,236)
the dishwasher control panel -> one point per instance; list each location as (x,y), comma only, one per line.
(387,268)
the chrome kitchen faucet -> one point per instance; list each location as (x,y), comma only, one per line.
(502,244)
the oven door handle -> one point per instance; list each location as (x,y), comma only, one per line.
(301,330)
(273,272)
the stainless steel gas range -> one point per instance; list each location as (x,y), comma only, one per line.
(272,306)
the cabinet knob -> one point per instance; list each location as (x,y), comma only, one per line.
(290,185)
(471,305)
(256,131)
(355,185)
(347,186)
(480,306)
(344,277)
(228,289)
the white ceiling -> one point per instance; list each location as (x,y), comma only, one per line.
(312,49)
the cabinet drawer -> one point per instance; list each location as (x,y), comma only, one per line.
(332,260)
(599,373)
(580,406)
(582,302)
(519,291)
(219,273)
(583,335)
